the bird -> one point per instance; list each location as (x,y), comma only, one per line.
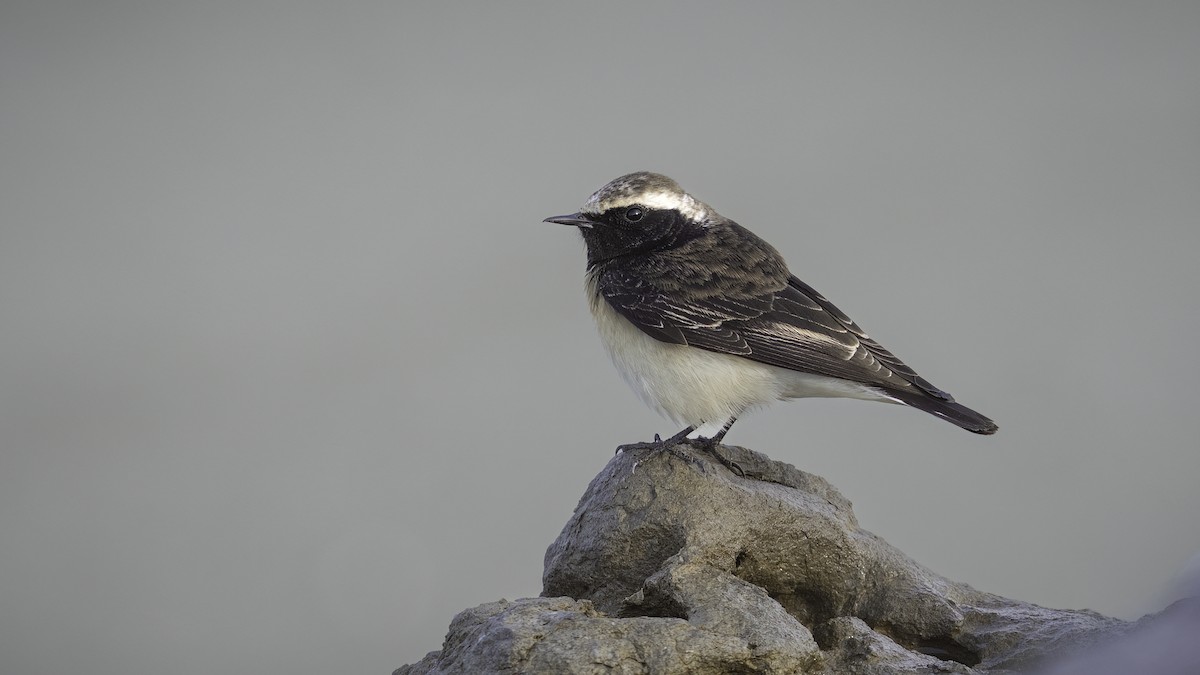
(705,322)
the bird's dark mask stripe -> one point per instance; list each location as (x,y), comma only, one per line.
(613,236)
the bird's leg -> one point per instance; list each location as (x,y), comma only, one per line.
(716,438)
(677,438)
(724,430)
(658,443)
(709,445)
(671,445)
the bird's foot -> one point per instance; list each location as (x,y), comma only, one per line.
(658,443)
(712,447)
(671,445)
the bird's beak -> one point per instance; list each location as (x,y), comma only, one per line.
(576,219)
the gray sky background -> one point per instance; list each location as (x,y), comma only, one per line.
(291,371)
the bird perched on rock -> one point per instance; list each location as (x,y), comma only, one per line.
(704,320)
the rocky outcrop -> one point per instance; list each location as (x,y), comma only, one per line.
(673,563)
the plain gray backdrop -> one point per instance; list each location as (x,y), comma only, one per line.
(291,370)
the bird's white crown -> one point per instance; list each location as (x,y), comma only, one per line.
(651,190)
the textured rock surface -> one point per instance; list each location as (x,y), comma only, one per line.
(676,566)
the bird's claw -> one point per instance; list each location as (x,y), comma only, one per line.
(708,445)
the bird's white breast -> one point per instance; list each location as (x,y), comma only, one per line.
(698,387)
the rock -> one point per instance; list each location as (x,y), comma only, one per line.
(562,635)
(1167,643)
(672,563)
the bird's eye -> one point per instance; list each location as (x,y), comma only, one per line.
(634,213)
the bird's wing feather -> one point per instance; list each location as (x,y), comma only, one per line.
(792,327)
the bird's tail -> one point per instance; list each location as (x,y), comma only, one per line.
(952,412)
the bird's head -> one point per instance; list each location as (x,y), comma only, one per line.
(638,213)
